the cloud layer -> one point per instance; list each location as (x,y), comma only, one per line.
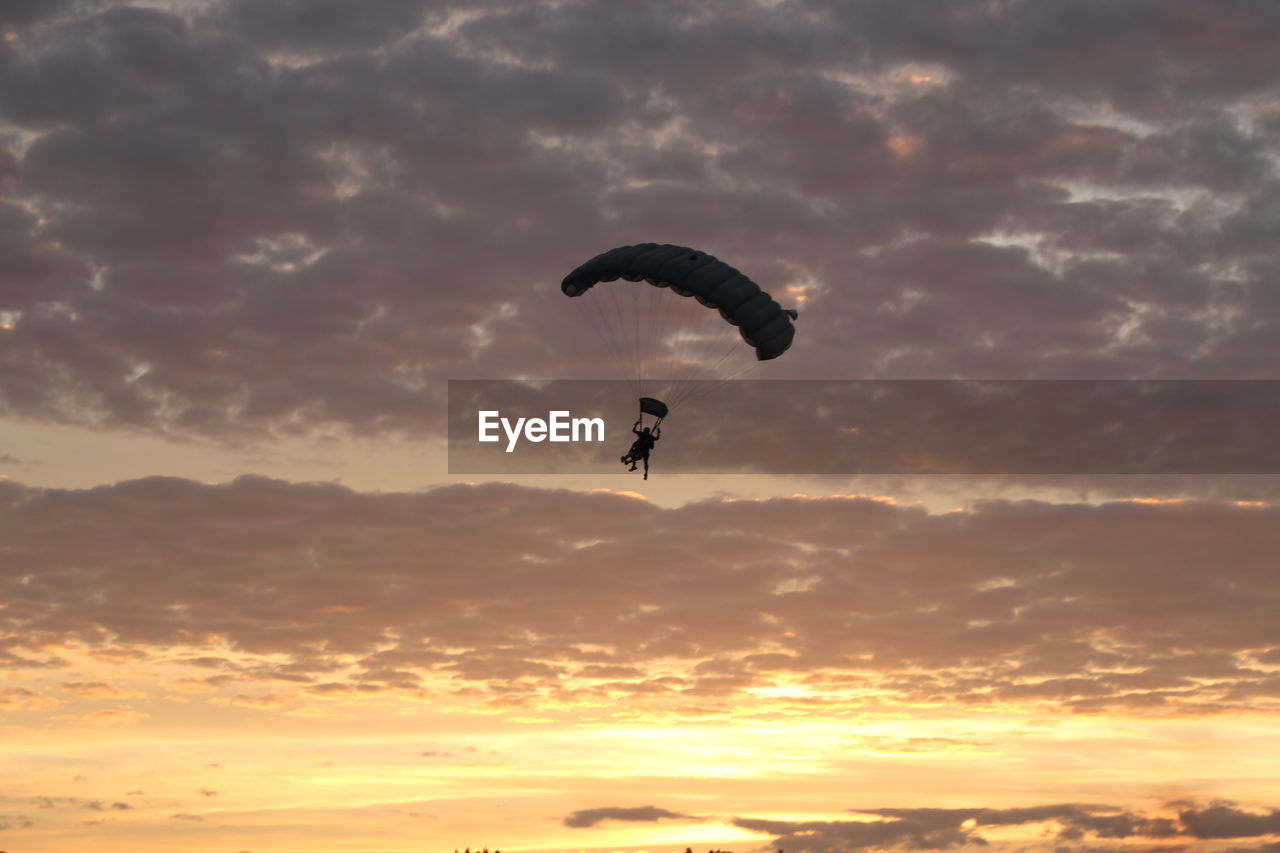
(1179,825)
(1077,826)
(243,219)
(525,596)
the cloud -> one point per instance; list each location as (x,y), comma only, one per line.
(1102,821)
(24,12)
(325,24)
(118,716)
(24,697)
(1226,821)
(100,806)
(1074,826)
(253,220)
(99,690)
(270,591)
(814,836)
(648,814)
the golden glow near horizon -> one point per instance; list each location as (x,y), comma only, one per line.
(144,752)
(405,777)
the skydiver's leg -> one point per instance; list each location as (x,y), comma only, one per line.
(646,466)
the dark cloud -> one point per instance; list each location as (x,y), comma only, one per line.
(1076,819)
(325,23)
(1076,827)
(265,218)
(12,821)
(816,836)
(1227,821)
(591,817)
(1141,607)
(25,12)
(18,696)
(1151,57)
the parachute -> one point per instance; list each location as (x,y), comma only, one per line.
(764,324)
(698,338)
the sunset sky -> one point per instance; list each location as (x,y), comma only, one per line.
(244,606)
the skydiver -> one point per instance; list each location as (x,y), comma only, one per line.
(645,440)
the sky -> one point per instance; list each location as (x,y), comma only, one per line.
(245,606)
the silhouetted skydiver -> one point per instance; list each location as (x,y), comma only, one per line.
(640,448)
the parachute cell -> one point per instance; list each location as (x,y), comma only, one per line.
(651,406)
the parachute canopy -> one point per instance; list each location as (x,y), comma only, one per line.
(650,406)
(688,272)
